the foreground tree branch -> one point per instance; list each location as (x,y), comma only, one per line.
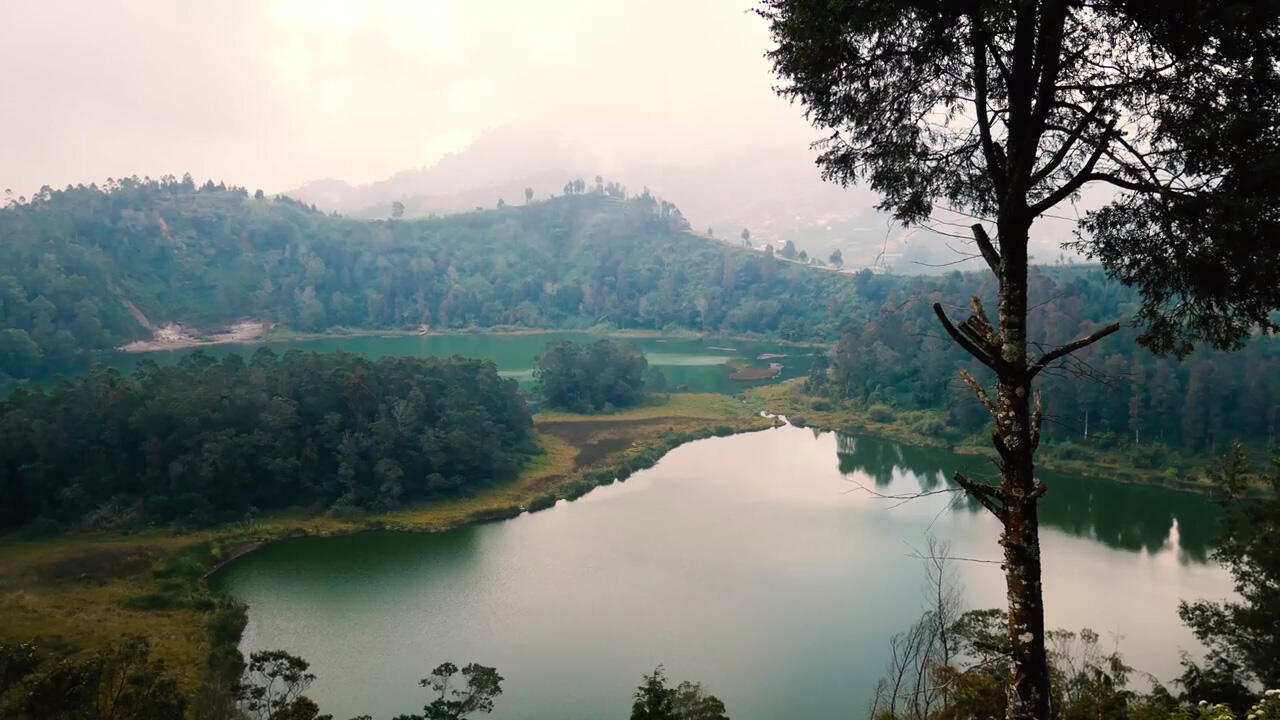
(1077,344)
(987,495)
(987,249)
(983,354)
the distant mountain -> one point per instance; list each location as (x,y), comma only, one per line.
(775,192)
(501,164)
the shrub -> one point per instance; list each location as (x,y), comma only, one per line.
(498,513)
(542,502)
(1149,457)
(154,601)
(881,413)
(578,488)
(1069,451)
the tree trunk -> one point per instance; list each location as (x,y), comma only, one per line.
(1028,692)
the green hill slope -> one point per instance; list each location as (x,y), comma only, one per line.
(77,263)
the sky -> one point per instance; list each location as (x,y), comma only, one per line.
(273,94)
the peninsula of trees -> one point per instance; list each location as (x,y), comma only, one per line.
(205,440)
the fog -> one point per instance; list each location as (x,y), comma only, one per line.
(274,94)
(370,97)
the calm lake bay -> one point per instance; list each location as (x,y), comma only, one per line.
(757,564)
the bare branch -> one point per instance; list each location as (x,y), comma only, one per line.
(985,357)
(989,495)
(1071,347)
(1071,186)
(988,250)
(990,150)
(979,391)
(1066,146)
(980,315)
(902,499)
(1122,182)
(1000,64)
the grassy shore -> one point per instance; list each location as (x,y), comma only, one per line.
(77,592)
(927,428)
(80,591)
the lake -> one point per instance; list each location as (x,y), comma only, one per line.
(686,363)
(755,563)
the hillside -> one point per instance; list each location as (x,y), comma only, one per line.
(90,268)
(774,190)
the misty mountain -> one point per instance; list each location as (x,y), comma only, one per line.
(776,192)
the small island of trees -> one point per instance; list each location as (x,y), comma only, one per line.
(599,377)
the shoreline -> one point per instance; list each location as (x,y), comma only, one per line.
(183,340)
(787,398)
(581,452)
(90,587)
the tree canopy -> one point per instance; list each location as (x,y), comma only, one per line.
(1243,635)
(655,699)
(1110,395)
(604,375)
(87,269)
(1004,110)
(981,105)
(208,440)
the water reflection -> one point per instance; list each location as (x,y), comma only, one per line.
(1121,516)
(732,559)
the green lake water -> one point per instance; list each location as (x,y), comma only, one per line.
(755,563)
(687,364)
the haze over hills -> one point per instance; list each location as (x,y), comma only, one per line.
(774,191)
(89,268)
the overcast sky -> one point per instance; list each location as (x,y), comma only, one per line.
(272,94)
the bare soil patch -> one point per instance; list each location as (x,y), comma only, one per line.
(99,565)
(599,440)
(754,373)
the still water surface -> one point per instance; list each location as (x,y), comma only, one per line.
(687,364)
(754,563)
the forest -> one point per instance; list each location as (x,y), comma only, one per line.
(210,441)
(85,266)
(599,377)
(88,257)
(1113,394)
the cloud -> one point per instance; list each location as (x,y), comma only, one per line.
(272,95)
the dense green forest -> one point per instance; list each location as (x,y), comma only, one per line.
(204,440)
(76,261)
(1112,394)
(604,375)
